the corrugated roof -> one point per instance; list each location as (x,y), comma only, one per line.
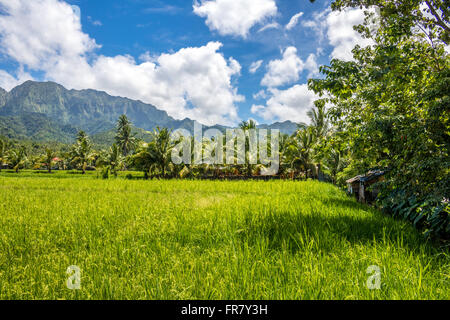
(368,177)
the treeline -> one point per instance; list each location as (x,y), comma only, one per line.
(299,154)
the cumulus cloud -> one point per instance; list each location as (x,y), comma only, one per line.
(260,95)
(341,34)
(290,104)
(283,71)
(255,66)
(337,28)
(46,36)
(8,81)
(235,18)
(312,66)
(294,21)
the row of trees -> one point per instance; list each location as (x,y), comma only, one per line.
(299,156)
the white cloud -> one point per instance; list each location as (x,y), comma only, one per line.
(312,66)
(255,66)
(294,21)
(46,36)
(8,81)
(94,22)
(273,25)
(284,71)
(232,17)
(341,34)
(40,32)
(290,104)
(337,28)
(260,95)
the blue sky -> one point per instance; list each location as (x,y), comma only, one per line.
(190,58)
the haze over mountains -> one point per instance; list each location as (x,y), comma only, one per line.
(46,111)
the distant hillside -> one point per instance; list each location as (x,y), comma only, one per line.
(94,111)
(287,127)
(36,127)
(46,111)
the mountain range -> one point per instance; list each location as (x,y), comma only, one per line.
(46,111)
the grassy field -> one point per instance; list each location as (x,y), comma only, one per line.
(135,239)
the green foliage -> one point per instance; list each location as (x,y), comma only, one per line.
(17,158)
(155,157)
(81,153)
(113,160)
(391,105)
(124,138)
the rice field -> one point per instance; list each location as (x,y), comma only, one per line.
(136,239)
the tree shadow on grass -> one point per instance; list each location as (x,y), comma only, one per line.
(328,231)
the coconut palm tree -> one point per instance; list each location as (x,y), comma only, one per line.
(82,153)
(319,120)
(124,138)
(17,158)
(48,159)
(300,151)
(156,155)
(113,160)
(161,149)
(246,126)
(3,151)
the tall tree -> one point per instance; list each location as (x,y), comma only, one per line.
(3,151)
(247,126)
(48,159)
(17,158)
(156,154)
(112,160)
(392,103)
(124,137)
(81,152)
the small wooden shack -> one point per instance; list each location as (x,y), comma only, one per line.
(359,185)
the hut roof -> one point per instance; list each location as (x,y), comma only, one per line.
(367,177)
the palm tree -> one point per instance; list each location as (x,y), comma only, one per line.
(3,147)
(300,150)
(113,160)
(161,148)
(124,138)
(156,155)
(319,120)
(48,159)
(320,126)
(17,158)
(81,152)
(246,126)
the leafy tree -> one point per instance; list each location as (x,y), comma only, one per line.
(124,137)
(48,159)
(392,101)
(246,126)
(157,154)
(300,151)
(3,152)
(113,160)
(17,158)
(82,153)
